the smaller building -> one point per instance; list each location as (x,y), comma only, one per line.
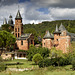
(61,39)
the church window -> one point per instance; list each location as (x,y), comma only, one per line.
(21,42)
(18,29)
(18,35)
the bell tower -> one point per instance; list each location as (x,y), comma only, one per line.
(18,27)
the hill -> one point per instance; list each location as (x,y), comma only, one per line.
(40,29)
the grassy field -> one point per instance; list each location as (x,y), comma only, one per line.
(66,70)
(26,64)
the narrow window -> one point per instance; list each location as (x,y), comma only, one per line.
(44,43)
(18,29)
(18,35)
(57,39)
(15,29)
(21,42)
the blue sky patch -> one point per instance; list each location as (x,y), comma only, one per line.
(45,10)
(21,1)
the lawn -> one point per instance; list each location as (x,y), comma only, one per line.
(66,70)
(26,64)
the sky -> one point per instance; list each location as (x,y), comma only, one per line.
(36,11)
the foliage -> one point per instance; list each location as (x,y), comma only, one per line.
(6,27)
(73,63)
(33,50)
(37,57)
(1,59)
(2,66)
(42,27)
(7,39)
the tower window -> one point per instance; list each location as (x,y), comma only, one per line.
(57,39)
(18,35)
(44,43)
(21,42)
(18,29)
(15,29)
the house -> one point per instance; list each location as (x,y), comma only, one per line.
(61,39)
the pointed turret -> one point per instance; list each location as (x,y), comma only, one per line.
(10,22)
(5,21)
(48,36)
(62,28)
(57,30)
(18,16)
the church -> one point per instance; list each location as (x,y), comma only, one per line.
(61,39)
(23,41)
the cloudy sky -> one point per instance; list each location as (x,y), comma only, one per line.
(36,11)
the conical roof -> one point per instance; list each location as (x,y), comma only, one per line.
(5,21)
(48,35)
(10,16)
(57,30)
(62,28)
(18,16)
(10,20)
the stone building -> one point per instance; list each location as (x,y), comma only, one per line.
(61,39)
(23,40)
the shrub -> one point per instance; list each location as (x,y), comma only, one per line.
(73,63)
(2,66)
(1,59)
(37,57)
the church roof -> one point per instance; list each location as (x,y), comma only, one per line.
(62,28)
(5,21)
(18,16)
(57,30)
(47,36)
(24,36)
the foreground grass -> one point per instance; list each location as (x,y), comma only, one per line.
(66,70)
(45,71)
(26,64)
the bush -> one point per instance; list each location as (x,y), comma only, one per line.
(1,59)
(44,52)
(73,63)
(2,66)
(37,57)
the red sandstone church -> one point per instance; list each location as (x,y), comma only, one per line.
(61,39)
(23,40)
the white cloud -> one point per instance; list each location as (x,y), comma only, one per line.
(62,13)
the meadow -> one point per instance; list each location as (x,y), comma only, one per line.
(65,70)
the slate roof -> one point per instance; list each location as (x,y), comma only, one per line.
(57,30)
(48,36)
(5,21)
(10,22)
(24,36)
(18,16)
(62,28)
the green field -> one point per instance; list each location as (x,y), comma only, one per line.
(66,70)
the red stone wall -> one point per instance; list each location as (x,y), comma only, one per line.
(47,43)
(24,46)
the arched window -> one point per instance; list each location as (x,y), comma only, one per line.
(21,42)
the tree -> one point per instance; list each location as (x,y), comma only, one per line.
(6,27)
(6,39)
(57,54)
(33,50)
(37,57)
